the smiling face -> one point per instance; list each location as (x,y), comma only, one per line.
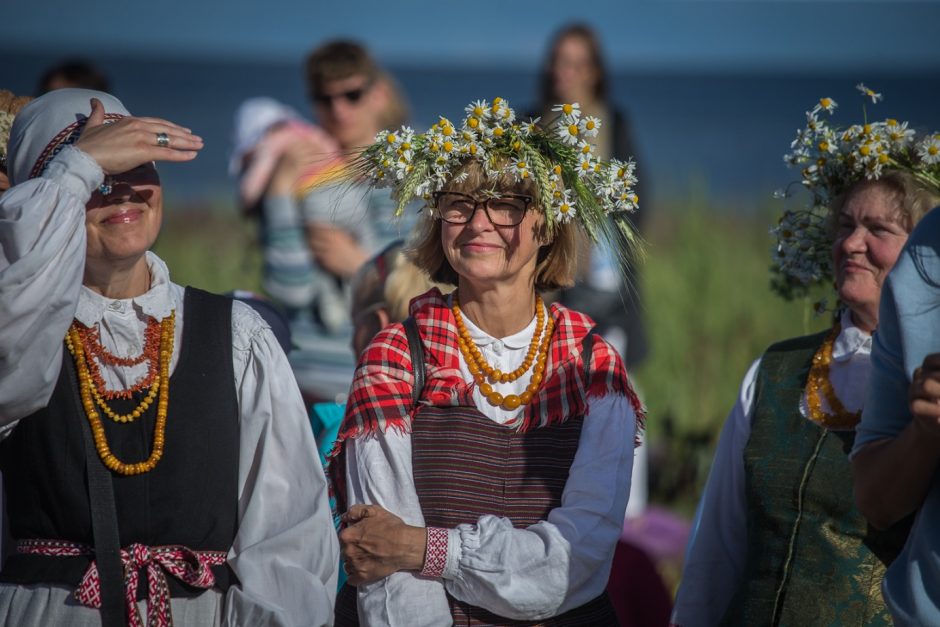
(487,255)
(124,224)
(869,238)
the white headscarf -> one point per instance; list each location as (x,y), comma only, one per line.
(49,123)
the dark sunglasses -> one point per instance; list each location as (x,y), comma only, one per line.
(351,96)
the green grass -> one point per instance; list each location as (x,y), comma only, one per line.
(709,314)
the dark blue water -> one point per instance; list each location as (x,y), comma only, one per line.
(724,132)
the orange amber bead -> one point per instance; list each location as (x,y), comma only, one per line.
(511,402)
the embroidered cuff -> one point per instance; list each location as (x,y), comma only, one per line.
(75,171)
(435,556)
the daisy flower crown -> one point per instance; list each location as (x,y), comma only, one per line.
(573,184)
(831,159)
(6,124)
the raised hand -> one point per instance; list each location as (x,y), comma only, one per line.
(131,141)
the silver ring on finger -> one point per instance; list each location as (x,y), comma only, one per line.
(163,140)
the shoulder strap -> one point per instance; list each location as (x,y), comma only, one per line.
(416,348)
(587,354)
(104,525)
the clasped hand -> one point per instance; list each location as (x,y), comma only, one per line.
(377,543)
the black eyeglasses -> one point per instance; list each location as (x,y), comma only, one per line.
(502,210)
(352,96)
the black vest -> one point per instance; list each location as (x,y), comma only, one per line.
(189,499)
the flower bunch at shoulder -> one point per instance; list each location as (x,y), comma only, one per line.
(831,159)
(572,183)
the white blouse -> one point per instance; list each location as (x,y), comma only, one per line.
(718,545)
(285,551)
(549,568)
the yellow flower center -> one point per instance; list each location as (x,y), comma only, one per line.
(882,158)
(564,208)
(867,128)
(589,125)
(497,101)
(448,146)
(448,130)
(391,138)
(621,172)
(521,165)
(824,146)
(473,122)
(932,151)
(567,109)
(586,149)
(517,145)
(825,102)
(406,146)
(478,111)
(573,129)
(473,149)
(891,122)
(557,170)
(498,131)
(865,150)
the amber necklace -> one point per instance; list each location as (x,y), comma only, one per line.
(481,370)
(96,352)
(89,394)
(819,386)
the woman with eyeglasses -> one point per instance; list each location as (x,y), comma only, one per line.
(484,462)
(146,429)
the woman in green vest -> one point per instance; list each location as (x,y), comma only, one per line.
(777,539)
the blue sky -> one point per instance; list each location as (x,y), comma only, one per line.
(638,35)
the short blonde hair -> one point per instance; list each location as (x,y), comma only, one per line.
(557,262)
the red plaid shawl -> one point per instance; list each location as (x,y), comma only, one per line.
(381,396)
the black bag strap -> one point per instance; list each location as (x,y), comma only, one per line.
(416,348)
(104,525)
(587,354)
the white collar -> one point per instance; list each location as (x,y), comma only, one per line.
(851,341)
(520,339)
(156,302)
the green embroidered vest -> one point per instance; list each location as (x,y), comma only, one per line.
(812,559)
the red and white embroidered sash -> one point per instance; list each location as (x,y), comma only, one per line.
(191,567)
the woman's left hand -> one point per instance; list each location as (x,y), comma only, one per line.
(377,543)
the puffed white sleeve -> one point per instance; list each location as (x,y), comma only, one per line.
(563,562)
(716,550)
(42,260)
(378,471)
(285,552)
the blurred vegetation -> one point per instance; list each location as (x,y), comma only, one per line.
(709,313)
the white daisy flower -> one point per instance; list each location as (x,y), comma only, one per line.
(828,104)
(865,91)
(519,169)
(478,109)
(530,127)
(568,131)
(568,110)
(928,150)
(590,126)
(565,209)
